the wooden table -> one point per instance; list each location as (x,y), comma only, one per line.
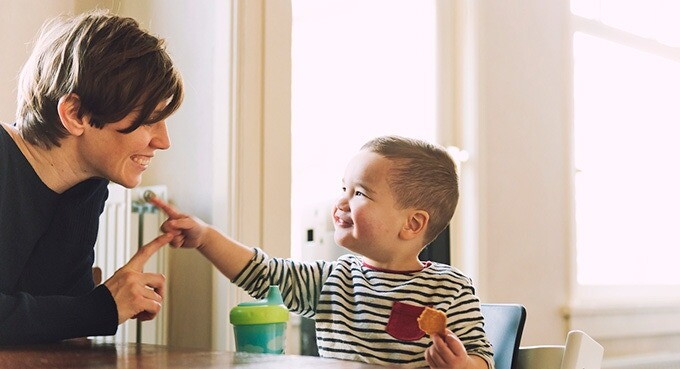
(87,354)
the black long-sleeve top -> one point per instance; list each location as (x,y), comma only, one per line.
(46,254)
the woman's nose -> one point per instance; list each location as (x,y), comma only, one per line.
(160,139)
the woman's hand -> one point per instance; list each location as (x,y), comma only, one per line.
(449,352)
(138,294)
(189,231)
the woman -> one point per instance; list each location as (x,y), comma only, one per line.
(92,102)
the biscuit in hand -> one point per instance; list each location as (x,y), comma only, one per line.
(432,321)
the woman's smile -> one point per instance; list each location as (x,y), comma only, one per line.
(142,160)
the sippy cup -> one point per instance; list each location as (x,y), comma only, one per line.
(260,326)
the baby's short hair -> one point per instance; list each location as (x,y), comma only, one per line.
(423,176)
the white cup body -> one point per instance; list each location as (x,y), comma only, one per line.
(540,357)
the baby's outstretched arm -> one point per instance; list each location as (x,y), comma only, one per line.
(449,352)
(229,256)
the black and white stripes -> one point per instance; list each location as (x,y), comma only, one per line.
(352,303)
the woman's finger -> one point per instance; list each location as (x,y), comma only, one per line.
(152,295)
(156,281)
(145,252)
(151,309)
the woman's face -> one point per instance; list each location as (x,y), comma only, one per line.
(122,157)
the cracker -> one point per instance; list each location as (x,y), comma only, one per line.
(432,321)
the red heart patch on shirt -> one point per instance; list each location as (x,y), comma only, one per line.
(403,322)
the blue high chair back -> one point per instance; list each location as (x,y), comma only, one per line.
(503,324)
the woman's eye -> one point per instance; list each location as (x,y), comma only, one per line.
(358,193)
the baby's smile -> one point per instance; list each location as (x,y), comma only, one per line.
(342,221)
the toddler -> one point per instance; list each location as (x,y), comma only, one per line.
(398,194)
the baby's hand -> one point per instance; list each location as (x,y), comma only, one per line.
(447,352)
(189,231)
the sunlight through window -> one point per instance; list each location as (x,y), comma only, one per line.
(360,69)
(627,125)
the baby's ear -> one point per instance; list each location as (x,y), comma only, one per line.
(68,108)
(415,225)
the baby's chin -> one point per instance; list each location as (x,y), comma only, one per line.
(342,243)
(338,240)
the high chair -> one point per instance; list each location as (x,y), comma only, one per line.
(504,324)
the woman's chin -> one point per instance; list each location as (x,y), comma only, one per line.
(129,182)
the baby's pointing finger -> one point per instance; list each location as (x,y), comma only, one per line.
(182,223)
(172,213)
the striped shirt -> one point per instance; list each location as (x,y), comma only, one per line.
(357,307)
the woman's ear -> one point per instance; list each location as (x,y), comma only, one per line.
(415,225)
(68,107)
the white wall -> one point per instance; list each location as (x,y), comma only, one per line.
(19,24)
(524,148)
(189,168)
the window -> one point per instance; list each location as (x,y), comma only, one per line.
(360,69)
(627,128)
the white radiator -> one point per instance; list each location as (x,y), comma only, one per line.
(126,223)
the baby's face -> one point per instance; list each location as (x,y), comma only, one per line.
(366,217)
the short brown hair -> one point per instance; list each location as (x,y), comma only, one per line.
(423,176)
(113,66)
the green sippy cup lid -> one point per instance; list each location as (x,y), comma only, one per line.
(269,310)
